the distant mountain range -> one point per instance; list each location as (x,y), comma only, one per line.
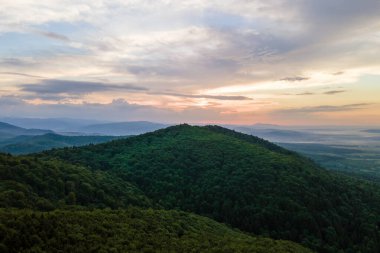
(321,143)
(9,131)
(24,144)
(122,128)
(19,140)
(84,127)
(54,124)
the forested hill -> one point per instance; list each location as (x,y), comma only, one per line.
(27,182)
(52,206)
(243,181)
(129,230)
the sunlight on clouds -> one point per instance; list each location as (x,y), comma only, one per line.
(191,55)
(315,79)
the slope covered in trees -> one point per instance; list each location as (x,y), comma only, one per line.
(46,185)
(75,226)
(130,230)
(244,181)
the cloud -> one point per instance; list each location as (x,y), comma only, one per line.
(325,108)
(19,74)
(11,101)
(61,89)
(118,110)
(325,114)
(214,42)
(53,35)
(295,79)
(216,97)
(192,46)
(333,92)
(305,93)
(14,62)
(53,86)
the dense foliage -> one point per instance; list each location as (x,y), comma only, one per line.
(243,181)
(45,185)
(131,230)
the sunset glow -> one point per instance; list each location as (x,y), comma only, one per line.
(280,62)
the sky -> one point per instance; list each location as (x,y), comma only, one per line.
(288,62)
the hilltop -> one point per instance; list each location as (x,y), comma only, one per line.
(244,181)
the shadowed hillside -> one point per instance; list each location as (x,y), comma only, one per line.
(131,230)
(75,226)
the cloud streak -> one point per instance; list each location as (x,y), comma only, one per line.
(75,87)
(333,92)
(305,94)
(216,97)
(325,108)
(19,74)
(295,79)
(54,36)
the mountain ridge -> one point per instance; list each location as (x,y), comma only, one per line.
(9,130)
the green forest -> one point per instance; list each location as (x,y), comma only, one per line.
(128,230)
(171,190)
